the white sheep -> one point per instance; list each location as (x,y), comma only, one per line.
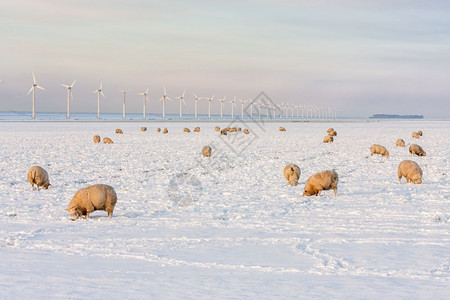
(92,198)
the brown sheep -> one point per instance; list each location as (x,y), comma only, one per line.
(417,150)
(197,129)
(400,143)
(419,132)
(96,139)
(143,128)
(165,130)
(377,149)
(325,180)
(223,132)
(292,174)
(415,135)
(246,131)
(38,176)
(119,131)
(282,129)
(411,171)
(92,198)
(328,139)
(332,133)
(186,130)
(233,129)
(107,140)
(238,129)
(158,129)
(206,151)
(217,128)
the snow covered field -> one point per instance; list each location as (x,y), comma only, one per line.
(228,226)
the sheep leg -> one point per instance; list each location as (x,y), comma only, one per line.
(110,213)
(335,191)
(87,215)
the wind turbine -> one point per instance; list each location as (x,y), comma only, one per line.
(252,101)
(163,99)
(242,107)
(144,102)
(221,105)
(233,104)
(99,92)
(209,106)
(181,104)
(124,104)
(196,104)
(69,95)
(259,108)
(33,88)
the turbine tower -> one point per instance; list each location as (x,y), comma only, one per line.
(181,104)
(99,92)
(69,95)
(233,104)
(252,101)
(196,104)
(33,88)
(242,107)
(124,104)
(144,103)
(209,106)
(221,106)
(163,99)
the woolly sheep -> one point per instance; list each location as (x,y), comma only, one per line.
(119,131)
(328,139)
(91,198)
(223,132)
(246,131)
(38,176)
(107,140)
(186,130)
(292,174)
(158,129)
(411,171)
(233,129)
(419,132)
(415,135)
(217,128)
(143,128)
(238,129)
(165,130)
(197,129)
(400,143)
(96,139)
(417,150)
(282,129)
(206,150)
(325,180)
(377,149)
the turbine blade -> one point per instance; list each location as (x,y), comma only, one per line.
(165,93)
(102,94)
(96,91)
(34,78)
(147,91)
(40,87)
(64,85)
(196,97)
(30,90)
(73,83)
(183,93)
(168,98)
(140,94)
(101,85)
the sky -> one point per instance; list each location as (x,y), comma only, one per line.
(359,57)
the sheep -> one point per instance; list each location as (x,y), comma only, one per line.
(417,150)
(107,140)
(223,132)
(411,171)
(246,131)
(419,132)
(282,129)
(96,139)
(186,130)
(158,129)
(377,149)
(415,135)
(91,198)
(119,131)
(233,129)
(332,133)
(217,128)
(197,129)
(165,130)
(328,139)
(325,180)
(292,174)
(38,176)
(400,143)
(143,128)
(238,129)
(206,150)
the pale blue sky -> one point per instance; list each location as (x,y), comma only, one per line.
(362,58)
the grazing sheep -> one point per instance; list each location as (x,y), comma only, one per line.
(332,133)
(143,128)
(96,139)
(223,132)
(246,131)
(330,130)
(282,129)
(119,131)
(415,135)
(400,143)
(217,128)
(377,149)
(325,180)
(186,130)
(233,129)
(38,176)
(328,139)
(197,129)
(206,150)
(238,129)
(411,171)
(165,130)
(158,129)
(292,174)
(417,150)
(419,132)
(107,140)
(91,198)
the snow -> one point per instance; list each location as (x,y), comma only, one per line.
(228,226)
